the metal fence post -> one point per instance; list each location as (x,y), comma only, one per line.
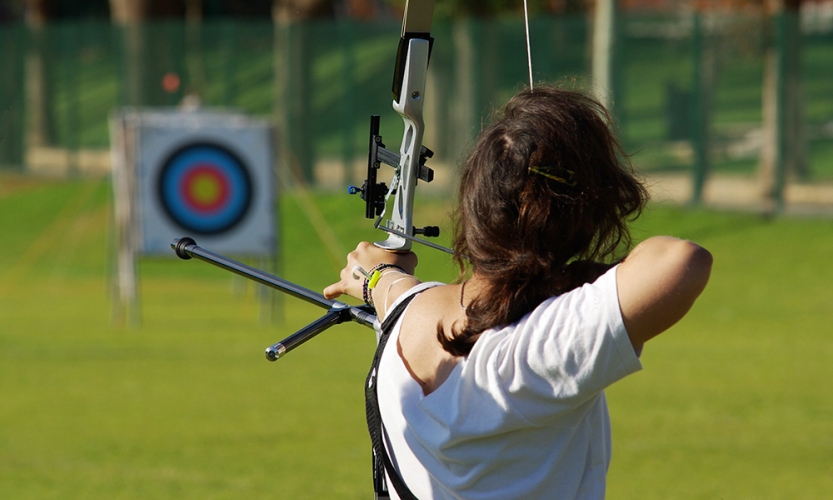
(702,85)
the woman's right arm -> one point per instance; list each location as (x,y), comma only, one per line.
(658,283)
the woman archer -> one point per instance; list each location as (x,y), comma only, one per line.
(493,387)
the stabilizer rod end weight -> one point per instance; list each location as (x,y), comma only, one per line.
(276,351)
(180,245)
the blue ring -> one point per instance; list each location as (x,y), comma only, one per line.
(170,186)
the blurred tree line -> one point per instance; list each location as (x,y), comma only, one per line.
(784,147)
(126,10)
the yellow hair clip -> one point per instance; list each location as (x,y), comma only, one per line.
(557,174)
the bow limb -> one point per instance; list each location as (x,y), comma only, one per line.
(408,94)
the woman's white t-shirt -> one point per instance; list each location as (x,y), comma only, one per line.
(524,414)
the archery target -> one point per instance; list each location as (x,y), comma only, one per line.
(205,189)
(207,176)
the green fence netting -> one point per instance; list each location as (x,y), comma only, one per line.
(688,90)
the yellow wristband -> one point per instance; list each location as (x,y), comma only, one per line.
(373,279)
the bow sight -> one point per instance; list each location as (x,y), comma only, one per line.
(375,193)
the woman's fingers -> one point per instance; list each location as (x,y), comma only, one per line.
(346,286)
(360,262)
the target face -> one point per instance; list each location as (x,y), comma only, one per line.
(205,189)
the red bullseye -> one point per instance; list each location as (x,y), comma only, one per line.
(205,189)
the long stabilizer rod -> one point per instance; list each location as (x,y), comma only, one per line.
(337,312)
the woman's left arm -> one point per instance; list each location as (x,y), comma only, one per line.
(367,256)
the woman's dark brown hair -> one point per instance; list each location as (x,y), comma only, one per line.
(546,191)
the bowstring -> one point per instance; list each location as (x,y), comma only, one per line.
(528,48)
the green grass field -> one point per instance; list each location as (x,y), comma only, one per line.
(734,402)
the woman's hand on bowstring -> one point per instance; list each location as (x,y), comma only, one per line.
(363,260)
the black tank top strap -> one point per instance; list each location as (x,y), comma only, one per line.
(381,460)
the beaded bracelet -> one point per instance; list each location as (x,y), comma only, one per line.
(372,279)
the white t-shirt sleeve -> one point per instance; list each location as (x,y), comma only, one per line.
(559,356)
